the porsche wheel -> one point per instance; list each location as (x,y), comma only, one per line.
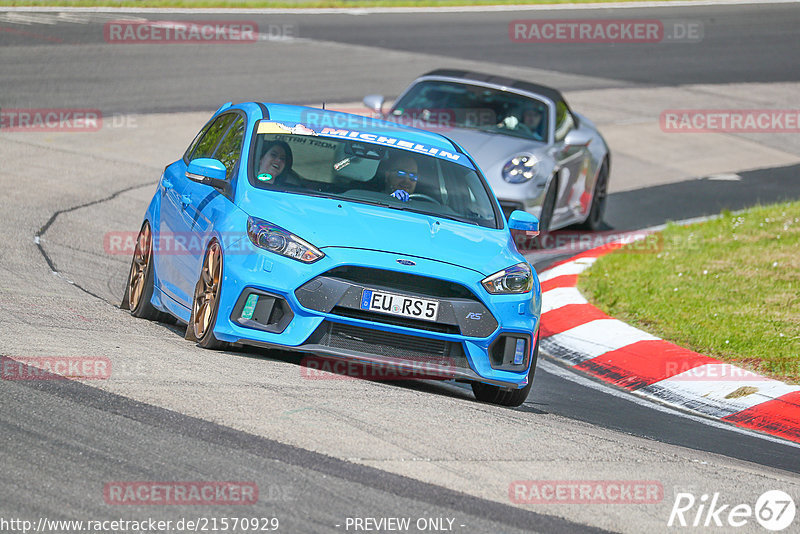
(205,304)
(598,208)
(546,215)
(507,397)
(139,288)
(548,207)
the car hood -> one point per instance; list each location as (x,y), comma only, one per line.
(487,148)
(326,223)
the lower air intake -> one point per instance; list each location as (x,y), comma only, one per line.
(393,345)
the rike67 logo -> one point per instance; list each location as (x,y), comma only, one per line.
(774,510)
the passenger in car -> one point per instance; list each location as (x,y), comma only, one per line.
(532,119)
(276,163)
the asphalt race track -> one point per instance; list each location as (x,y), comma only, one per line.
(323,451)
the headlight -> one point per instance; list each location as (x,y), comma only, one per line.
(275,239)
(516,279)
(520,169)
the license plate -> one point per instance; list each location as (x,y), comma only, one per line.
(401,305)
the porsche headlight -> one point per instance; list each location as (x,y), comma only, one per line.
(275,239)
(520,169)
(516,279)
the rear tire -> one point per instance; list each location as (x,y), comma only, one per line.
(507,397)
(594,221)
(139,288)
(205,304)
(548,207)
(546,215)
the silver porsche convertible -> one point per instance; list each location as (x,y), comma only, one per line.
(537,154)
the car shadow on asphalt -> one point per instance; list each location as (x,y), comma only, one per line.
(443,388)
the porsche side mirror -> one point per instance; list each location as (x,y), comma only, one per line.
(374,102)
(577,138)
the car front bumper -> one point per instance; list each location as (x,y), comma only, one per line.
(323,320)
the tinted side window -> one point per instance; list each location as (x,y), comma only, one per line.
(196,140)
(564,120)
(231,146)
(205,148)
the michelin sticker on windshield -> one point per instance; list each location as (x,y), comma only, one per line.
(340,133)
(280,128)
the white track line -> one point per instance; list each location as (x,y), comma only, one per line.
(570,267)
(598,337)
(561,296)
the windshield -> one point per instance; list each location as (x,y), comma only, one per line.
(305,162)
(452,104)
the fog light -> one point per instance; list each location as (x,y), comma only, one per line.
(249,306)
(519,352)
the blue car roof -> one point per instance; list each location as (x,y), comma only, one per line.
(338,119)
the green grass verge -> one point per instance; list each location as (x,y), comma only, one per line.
(728,288)
(290,3)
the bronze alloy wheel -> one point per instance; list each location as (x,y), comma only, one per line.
(206,291)
(137,279)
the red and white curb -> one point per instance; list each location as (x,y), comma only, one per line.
(586,339)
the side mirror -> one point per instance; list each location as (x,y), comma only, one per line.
(523,221)
(577,138)
(374,102)
(208,171)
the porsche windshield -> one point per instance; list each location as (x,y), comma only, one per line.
(451,104)
(372,173)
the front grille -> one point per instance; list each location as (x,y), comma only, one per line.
(396,320)
(402,282)
(393,345)
(340,292)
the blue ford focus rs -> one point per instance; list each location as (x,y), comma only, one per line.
(345,237)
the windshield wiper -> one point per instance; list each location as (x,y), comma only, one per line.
(443,216)
(398,207)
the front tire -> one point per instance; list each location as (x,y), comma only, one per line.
(139,288)
(507,397)
(205,304)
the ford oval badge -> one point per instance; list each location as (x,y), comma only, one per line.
(406,262)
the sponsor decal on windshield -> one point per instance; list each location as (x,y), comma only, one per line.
(266,127)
